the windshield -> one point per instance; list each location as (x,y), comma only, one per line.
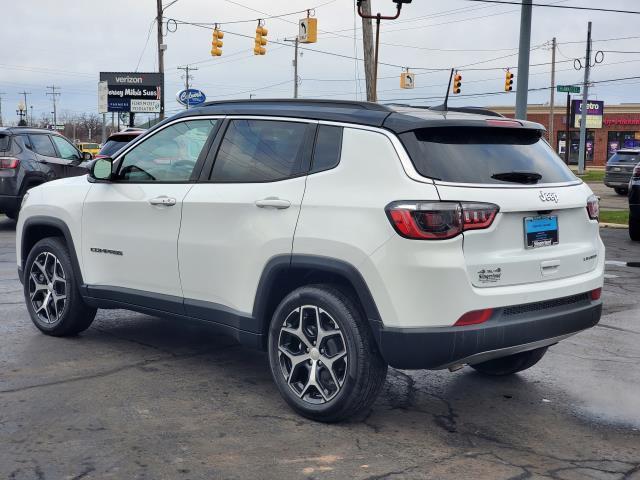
(485,155)
(625,157)
(113,145)
(5,143)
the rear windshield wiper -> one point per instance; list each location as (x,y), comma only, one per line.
(518,177)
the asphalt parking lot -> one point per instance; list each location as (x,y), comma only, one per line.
(137,397)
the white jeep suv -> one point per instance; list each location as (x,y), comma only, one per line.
(341,237)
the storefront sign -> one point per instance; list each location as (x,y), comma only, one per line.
(595,113)
(131,92)
(621,121)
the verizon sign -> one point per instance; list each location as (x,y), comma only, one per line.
(137,92)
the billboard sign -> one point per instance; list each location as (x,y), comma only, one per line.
(191,97)
(595,113)
(137,92)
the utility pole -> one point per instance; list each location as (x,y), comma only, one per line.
(295,69)
(378,16)
(585,97)
(53,94)
(104,128)
(187,77)
(367,50)
(1,93)
(161,48)
(553,93)
(31,107)
(524,49)
(26,108)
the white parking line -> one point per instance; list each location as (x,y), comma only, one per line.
(615,263)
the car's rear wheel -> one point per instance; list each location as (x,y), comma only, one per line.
(621,191)
(51,291)
(323,357)
(510,364)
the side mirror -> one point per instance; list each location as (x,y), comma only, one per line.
(87,156)
(101,169)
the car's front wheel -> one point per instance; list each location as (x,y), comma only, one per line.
(51,292)
(511,364)
(634,228)
(323,357)
(621,191)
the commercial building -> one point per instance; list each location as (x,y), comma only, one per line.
(620,129)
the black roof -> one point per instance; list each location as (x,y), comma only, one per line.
(397,118)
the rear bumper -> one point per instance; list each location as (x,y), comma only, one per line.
(9,203)
(617,180)
(510,330)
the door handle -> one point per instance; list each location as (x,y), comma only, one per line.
(163,200)
(273,202)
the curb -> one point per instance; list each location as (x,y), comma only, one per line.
(613,225)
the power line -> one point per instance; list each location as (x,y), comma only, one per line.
(594,9)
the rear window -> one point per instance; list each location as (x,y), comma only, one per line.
(625,157)
(5,143)
(112,146)
(479,155)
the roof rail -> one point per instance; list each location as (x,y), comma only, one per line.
(476,110)
(304,101)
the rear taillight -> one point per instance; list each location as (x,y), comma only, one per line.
(596,294)
(439,220)
(9,162)
(593,207)
(474,318)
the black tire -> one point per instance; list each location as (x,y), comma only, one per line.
(512,364)
(11,214)
(359,379)
(73,315)
(634,228)
(621,191)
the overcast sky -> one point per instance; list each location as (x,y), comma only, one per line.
(68,42)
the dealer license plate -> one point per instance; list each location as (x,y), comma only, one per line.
(541,231)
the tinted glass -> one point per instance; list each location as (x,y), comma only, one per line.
(623,157)
(67,151)
(112,146)
(259,151)
(27,141)
(475,155)
(42,145)
(5,143)
(328,146)
(168,156)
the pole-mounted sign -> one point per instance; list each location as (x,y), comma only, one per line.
(132,92)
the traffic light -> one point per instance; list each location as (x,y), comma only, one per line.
(216,43)
(508,81)
(261,32)
(457,83)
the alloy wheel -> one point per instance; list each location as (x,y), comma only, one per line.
(312,354)
(47,287)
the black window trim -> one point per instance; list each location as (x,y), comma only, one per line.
(305,162)
(200,162)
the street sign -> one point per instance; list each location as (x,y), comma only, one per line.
(136,92)
(407,80)
(191,97)
(595,113)
(568,89)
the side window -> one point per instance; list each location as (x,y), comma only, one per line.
(167,156)
(260,151)
(42,145)
(27,142)
(67,151)
(326,153)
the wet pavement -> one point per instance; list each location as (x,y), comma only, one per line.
(137,397)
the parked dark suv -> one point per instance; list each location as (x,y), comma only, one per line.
(31,156)
(619,168)
(634,204)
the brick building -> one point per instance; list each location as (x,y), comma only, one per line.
(620,129)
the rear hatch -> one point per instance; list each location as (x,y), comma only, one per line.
(542,230)
(620,166)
